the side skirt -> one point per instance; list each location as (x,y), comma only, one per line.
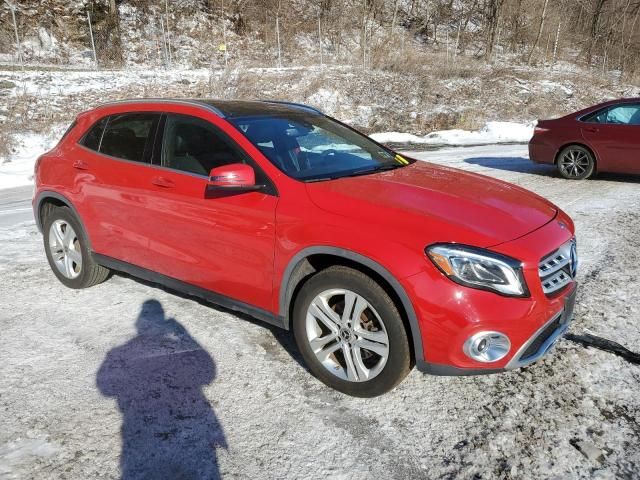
(189,289)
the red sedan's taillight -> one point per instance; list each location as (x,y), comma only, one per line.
(539,130)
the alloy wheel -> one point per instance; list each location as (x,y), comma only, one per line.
(575,163)
(65,249)
(347,335)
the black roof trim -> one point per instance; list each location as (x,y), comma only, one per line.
(178,101)
(226,108)
(295,105)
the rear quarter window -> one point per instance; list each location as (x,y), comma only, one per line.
(599,116)
(92,138)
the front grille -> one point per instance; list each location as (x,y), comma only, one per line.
(542,337)
(559,268)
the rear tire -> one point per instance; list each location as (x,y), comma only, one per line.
(66,246)
(576,163)
(350,333)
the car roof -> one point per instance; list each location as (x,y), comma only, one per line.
(598,106)
(249,108)
(229,108)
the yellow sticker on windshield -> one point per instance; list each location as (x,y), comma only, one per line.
(401,159)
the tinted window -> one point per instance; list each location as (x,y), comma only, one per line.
(127,136)
(616,115)
(94,135)
(194,145)
(314,147)
(595,117)
(624,115)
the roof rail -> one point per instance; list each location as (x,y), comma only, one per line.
(297,105)
(179,101)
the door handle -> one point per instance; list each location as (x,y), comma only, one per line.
(80,165)
(592,129)
(162,182)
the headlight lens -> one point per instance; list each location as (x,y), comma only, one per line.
(479,268)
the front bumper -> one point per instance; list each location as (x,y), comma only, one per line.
(536,347)
(546,336)
(449,314)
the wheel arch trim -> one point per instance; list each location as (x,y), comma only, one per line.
(42,196)
(286,290)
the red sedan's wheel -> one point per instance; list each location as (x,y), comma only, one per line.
(576,163)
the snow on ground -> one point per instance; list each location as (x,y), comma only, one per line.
(490,133)
(68,83)
(242,395)
(17,169)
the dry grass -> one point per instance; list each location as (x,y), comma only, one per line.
(6,142)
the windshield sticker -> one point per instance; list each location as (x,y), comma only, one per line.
(400,159)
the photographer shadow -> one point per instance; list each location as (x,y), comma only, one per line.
(169,429)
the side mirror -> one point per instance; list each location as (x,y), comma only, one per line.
(235,177)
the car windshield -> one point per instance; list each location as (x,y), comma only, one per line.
(311,147)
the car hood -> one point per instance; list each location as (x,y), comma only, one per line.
(436,203)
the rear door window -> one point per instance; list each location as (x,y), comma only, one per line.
(624,115)
(130,136)
(627,114)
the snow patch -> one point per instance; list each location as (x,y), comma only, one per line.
(491,133)
(550,87)
(17,169)
(21,450)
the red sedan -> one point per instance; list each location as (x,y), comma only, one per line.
(378,263)
(602,138)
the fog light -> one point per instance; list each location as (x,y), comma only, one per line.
(487,346)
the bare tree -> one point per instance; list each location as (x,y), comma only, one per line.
(540,27)
(493,9)
(595,19)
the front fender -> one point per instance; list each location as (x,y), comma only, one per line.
(291,278)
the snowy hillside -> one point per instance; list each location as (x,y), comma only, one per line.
(405,72)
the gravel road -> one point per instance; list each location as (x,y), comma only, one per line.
(93,382)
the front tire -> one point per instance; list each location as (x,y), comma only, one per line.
(576,163)
(350,333)
(66,246)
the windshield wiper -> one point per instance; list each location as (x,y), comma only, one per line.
(367,171)
(390,166)
(318,179)
(357,173)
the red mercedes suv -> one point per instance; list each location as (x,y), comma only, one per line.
(377,262)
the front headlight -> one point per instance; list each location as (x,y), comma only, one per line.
(479,268)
